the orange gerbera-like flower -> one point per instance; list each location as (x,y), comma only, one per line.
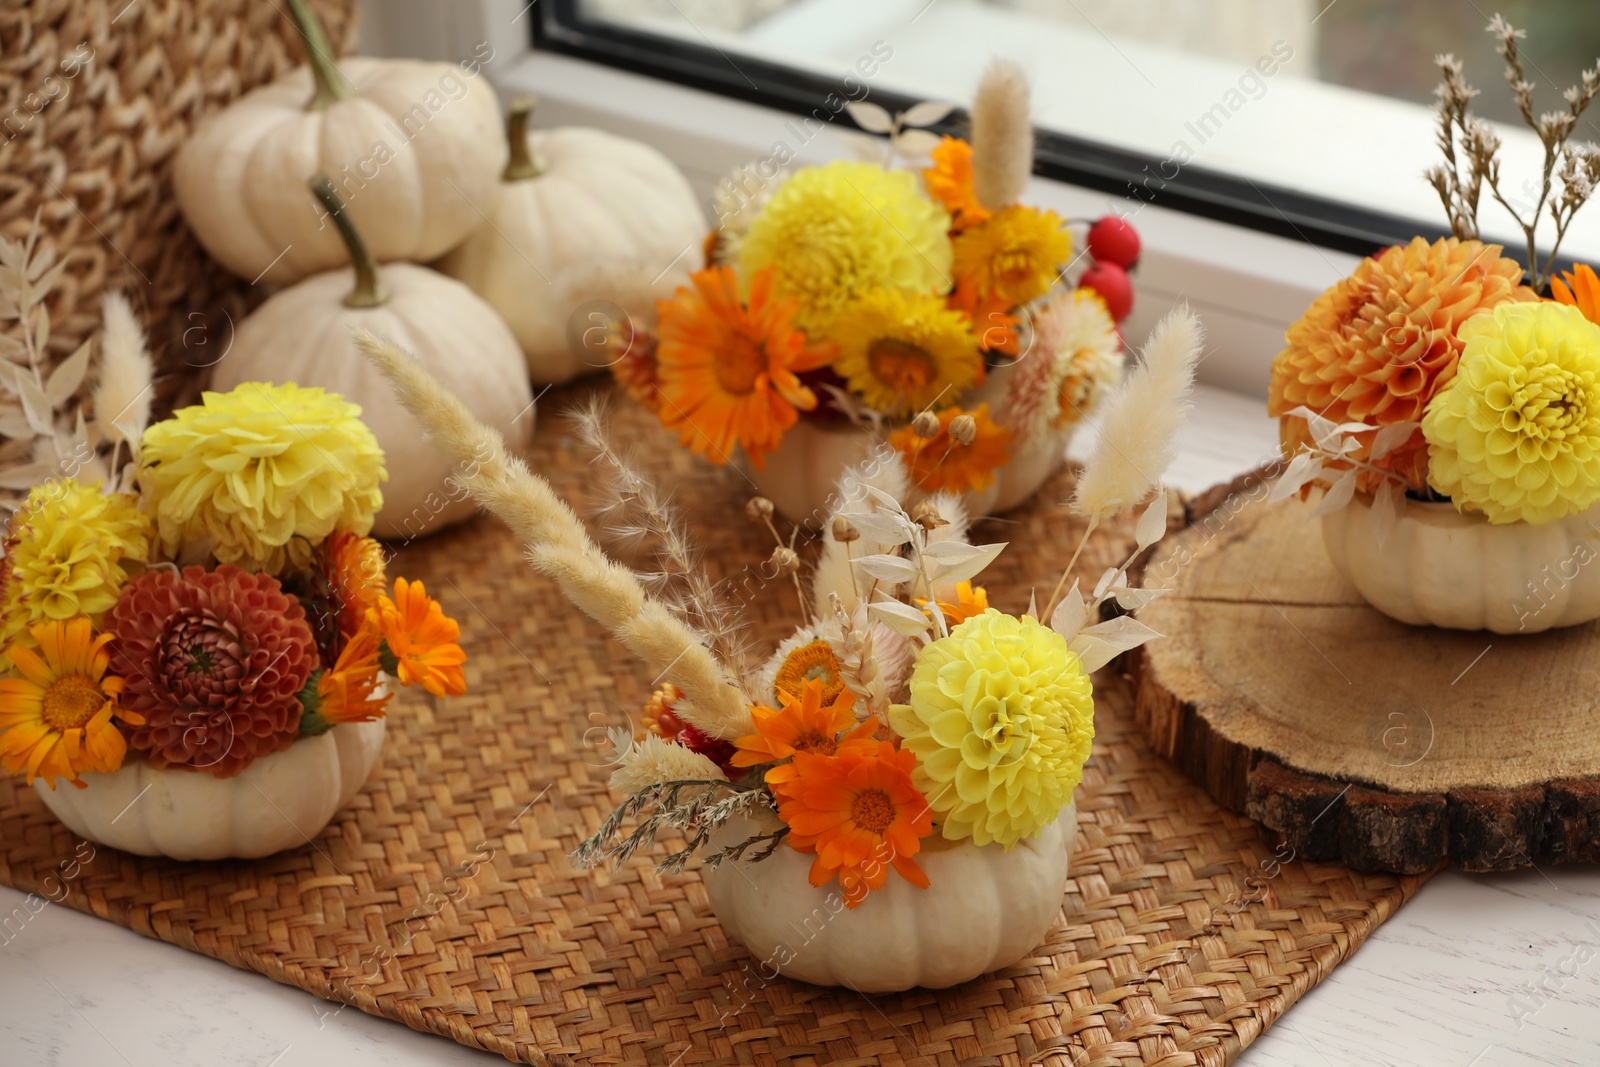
(1378,345)
(805,725)
(56,721)
(727,372)
(969,602)
(993,323)
(861,815)
(421,640)
(354,570)
(1016,255)
(346,693)
(942,462)
(949,181)
(1584,293)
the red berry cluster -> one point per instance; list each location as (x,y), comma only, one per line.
(1114,250)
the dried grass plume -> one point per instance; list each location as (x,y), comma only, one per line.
(1002,136)
(122,399)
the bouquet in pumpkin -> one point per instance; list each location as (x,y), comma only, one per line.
(1440,371)
(226,607)
(852,293)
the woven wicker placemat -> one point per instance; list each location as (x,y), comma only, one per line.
(443,897)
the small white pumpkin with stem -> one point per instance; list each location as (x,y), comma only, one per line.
(414,147)
(583,219)
(303,335)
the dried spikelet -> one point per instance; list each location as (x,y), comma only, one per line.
(1002,136)
(559,546)
(884,471)
(634,511)
(122,399)
(1138,435)
(654,762)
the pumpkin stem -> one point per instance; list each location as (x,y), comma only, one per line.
(521,166)
(368,291)
(331,85)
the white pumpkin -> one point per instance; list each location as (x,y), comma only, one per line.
(302,335)
(414,147)
(986,908)
(278,802)
(584,223)
(1439,567)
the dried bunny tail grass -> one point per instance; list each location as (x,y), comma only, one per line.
(1002,136)
(641,764)
(885,471)
(633,509)
(953,510)
(122,399)
(559,546)
(1138,435)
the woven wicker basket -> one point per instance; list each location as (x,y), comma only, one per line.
(95,97)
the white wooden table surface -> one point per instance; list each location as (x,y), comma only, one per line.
(1474,972)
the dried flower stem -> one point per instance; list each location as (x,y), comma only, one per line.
(559,546)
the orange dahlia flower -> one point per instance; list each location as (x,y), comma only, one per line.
(1584,293)
(804,724)
(727,372)
(941,462)
(949,181)
(422,639)
(1378,345)
(861,815)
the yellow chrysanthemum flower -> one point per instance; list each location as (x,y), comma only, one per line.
(834,233)
(902,351)
(250,470)
(1017,254)
(1001,718)
(1516,433)
(69,552)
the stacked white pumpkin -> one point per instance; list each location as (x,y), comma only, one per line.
(407,161)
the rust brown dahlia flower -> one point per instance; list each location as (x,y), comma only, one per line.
(214,662)
(1377,346)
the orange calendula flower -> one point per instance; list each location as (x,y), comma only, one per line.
(969,602)
(1584,291)
(993,323)
(861,815)
(56,721)
(727,371)
(942,462)
(1016,255)
(346,693)
(354,569)
(421,639)
(805,725)
(949,181)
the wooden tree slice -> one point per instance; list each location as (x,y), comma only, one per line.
(1355,737)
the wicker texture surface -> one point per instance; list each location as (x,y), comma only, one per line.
(443,897)
(95,98)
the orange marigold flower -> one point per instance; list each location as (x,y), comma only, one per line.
(949,181)
(345,693)
(422,640)
(861,815)
(969,602)
(353,567)
(658,717)
(942,462)
(1584,293)
(56,720)
(1016,255)
(727,372)
(1379,344)
(993,322)
(805,725)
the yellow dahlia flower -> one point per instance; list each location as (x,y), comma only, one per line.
(1381,343)
(69,552)
(1016,254)
(903,351)
(252,469)
(1516,434)
(835,232)
(1001,717)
